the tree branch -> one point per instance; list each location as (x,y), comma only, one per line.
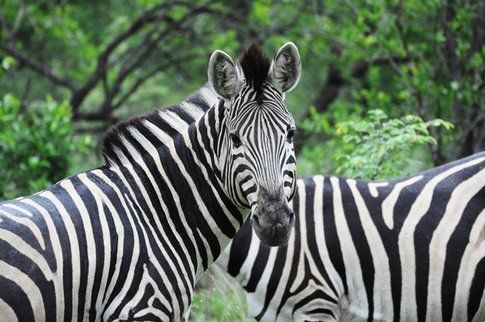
(96,116)
(142,79)
(149,16)
(41,69)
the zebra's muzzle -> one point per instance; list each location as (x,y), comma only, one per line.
(272,219)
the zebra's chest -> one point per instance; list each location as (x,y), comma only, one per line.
(152,297)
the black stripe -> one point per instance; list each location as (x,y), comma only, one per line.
(311,233)
(476,292)
(424,232)
(239,249)
(295,259)
(331,237)
(455,250)
(257,270)
(361,244)
(12,294)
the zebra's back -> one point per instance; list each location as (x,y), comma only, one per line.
(405,249)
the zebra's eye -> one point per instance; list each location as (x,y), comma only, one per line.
(236,142)
(290,135)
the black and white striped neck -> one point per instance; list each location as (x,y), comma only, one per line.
(172,153)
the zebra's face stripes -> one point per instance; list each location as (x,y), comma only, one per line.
(260,165)
(256,151)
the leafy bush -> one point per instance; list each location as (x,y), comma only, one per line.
(381,145)
(373,147)
(36,145)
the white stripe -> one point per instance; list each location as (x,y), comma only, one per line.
(105,233)
(278,294)
(383,306)
(135,300)
(323,254)
(373,188)
(300,272)
(28,287)
(389,203)
(318,282)
(22,247)
(256,301)
(208,95)
(155,215)
(193,110)
(249,261)
(174,120)
(474,253)
(57,250)
(24,221)
(357,297)
(7,313)
(459,199)
(406,240)
(223,240)
(234,222)
(74,246)
(90,246)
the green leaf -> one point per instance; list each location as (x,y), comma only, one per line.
(8,62)
(454,85)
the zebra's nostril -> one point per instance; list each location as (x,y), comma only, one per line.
(275,230)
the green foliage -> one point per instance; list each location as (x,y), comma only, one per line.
(36,145)
(419,57)
(218,298)
(380,146)
(211,305)
(376,146)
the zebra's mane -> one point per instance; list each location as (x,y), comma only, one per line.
(170,120)
(176,118)
(255,65)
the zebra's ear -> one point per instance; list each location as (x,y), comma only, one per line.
(223,74)
(285,70)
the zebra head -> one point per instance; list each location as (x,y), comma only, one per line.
(255,147)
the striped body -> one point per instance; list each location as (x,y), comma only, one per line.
(407,249)
(119,242)
(129,240)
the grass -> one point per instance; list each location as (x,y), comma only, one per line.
(218,297)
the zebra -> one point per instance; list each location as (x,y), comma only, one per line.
(128,240)
(408,249)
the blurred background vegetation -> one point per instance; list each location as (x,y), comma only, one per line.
(388,87)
